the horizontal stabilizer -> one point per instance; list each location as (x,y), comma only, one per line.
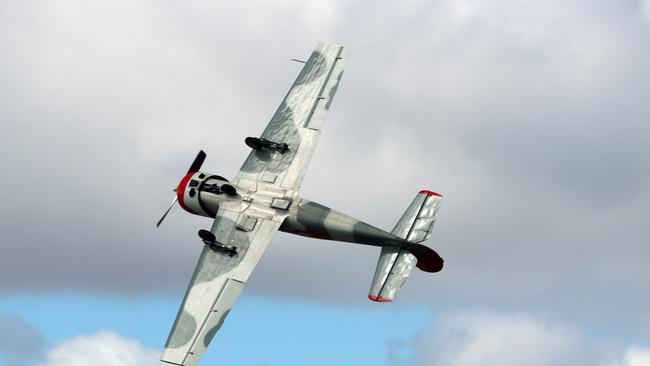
(417,222)
(393,268)
(395,264)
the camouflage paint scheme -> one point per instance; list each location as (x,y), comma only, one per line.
(267,200)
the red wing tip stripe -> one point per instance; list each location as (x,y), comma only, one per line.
(430,193)
(378,299)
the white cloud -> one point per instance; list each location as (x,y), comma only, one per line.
(496,339)
(101,349)
(636,356)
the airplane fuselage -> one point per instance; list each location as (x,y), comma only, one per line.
(202,194)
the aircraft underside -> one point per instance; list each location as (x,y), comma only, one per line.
(263,197)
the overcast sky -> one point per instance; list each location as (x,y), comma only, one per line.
(530,117)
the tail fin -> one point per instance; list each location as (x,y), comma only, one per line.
(395,264)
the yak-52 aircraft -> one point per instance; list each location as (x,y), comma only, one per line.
(263,198)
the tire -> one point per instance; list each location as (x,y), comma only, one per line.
(206,236)
(253,142)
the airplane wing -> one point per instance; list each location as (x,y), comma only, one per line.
(268,182)
(297,122)
(219,279)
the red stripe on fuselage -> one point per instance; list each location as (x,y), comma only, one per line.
(180,192)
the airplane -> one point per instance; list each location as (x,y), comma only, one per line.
(263,198)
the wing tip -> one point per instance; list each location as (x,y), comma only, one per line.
(430,193)
(170,362)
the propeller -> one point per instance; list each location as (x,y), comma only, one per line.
(196,164)
(195,167)
(166,212)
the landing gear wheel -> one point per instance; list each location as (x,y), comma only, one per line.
(253,142)
(207,236)
(264,144)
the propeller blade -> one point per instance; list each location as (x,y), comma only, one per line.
(195,167)
(166,212)
(198,161)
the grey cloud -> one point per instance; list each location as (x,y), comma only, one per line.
(528,117)
(20,342)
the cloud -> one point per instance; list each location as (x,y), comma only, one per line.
(636,356)
(20,342)
(101,349)
(529,117)
(479,339)
(644,6)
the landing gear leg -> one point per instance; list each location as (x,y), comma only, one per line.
(210,240)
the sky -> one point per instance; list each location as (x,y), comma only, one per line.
(530,117)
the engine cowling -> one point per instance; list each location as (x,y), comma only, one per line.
(200,193)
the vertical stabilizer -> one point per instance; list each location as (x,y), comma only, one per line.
(395,264)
